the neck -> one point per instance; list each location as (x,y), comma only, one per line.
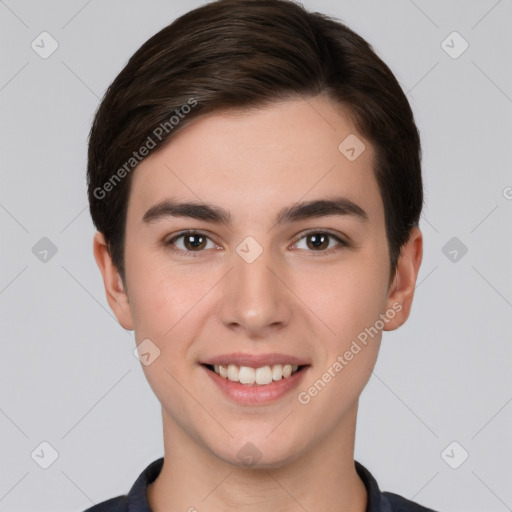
(323,478)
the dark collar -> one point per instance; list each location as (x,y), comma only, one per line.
(377,501)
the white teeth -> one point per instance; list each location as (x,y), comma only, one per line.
(233,373)
(277,372)
(261,376)
(246,375)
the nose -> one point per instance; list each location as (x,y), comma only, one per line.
(255,298)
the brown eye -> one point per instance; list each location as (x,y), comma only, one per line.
(194,241)
(189,242)
(320,241)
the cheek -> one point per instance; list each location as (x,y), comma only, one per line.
(350,305)
(345,298)
(160,296)
(165,305)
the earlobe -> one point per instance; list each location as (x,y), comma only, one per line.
(113,283)
(401,291)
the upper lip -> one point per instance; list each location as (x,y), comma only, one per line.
(255,360)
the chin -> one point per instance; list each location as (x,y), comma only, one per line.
(259,452)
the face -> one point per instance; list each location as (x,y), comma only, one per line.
(287,264)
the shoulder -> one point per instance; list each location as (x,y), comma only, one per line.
(118,504)
(400,504)
(136,499)
(379,501)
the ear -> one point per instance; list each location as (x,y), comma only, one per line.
(114,286)
(401,291)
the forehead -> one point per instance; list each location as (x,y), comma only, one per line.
(259,160)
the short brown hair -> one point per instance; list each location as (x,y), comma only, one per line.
(241,54)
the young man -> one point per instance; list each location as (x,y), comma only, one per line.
(255,179)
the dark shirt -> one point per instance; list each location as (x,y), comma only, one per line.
(137,501)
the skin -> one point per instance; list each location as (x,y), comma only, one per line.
(294,298)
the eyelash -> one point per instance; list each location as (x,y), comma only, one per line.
(195,254)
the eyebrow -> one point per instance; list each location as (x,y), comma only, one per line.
(340,206)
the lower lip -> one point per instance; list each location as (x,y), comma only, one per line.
(255,394)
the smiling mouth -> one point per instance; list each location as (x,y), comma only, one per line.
(255,376)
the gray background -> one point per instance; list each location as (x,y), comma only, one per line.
(68,374)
